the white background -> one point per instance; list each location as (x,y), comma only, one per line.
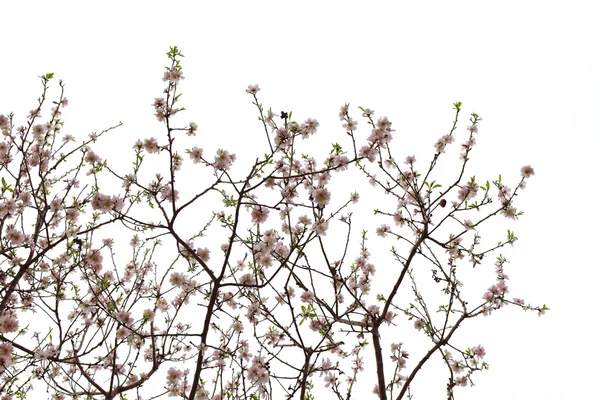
(530,69)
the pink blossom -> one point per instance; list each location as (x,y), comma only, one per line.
(468,224)
(527,171)
(510,212)
(398,219)
(6,351)
(252,89)
(369,152)
(174,376)
(311,125)
(441,144)
(105,203)
(320,227)
(461,380)
(204,254)
(238,327)
(321,196)
(15,237)
(259,214)
(124,317)
(224,160)
(151,145)
(350,124)
(173,75)
(72,214)
(3,122)
(192,129)
(330,379)
(367,112)
(195,154)
(418,324)
(343,111)
(247,280)
(478,351)
(383,230)
(307,297)
(8,323)
(92,157)
(167,193)
(177,279)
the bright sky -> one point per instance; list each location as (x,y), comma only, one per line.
(529,69)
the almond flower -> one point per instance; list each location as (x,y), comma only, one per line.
(419,324)
(252,89)
(527,171)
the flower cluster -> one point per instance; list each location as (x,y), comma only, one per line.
(145,298)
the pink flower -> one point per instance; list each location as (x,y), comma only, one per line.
(478,351)
(320,227)
(330,379)
(239,327)
(124,317)
(39,131)
(367,112)
(15,237)
(259,214)
(91,157)
(6,351)
(350,124)
(192,129)
(252,89)
(321,196)
(510,212)
(159,103)
(468,224)
(151,145)
(247,280)
(440,145)
(223,160)
(167,193)
(177,279)
(195,154)
(174,376)
(419,324)
(461,380)
(343,111)
(204,254)
(8,324)
(383,230)
(311,125)
(173,75)
(72,214)
(307,297)
(520,302)
(3,122)
(527,171)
